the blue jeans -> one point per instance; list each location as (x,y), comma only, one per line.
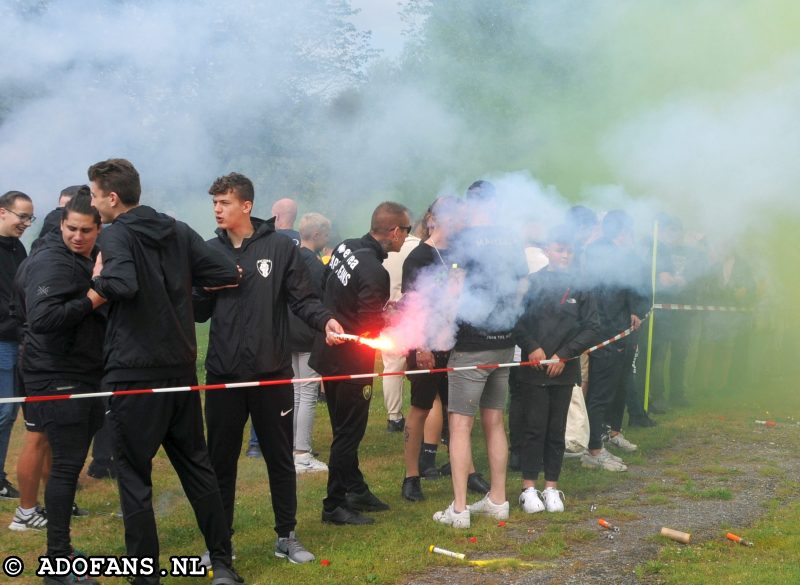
(9,350)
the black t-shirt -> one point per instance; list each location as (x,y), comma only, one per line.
(420,258)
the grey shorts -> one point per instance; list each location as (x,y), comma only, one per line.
(473,389)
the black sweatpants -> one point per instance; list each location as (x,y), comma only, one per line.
(271,409)
(625,394)
(103,448)
(544,411)
(671,336)
(516,411)
(142,423)
(348,408)
(606,376)
(69,426)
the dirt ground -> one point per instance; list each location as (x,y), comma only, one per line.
(747,467)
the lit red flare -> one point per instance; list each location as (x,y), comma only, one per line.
(380,343)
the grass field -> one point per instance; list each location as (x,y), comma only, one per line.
(674,470)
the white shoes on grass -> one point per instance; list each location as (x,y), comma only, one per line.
(533,501)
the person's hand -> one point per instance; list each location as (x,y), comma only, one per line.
(537,355)
(635,322)
(98,266)
(556,369)
(95,297)
(332,329)
(425,359)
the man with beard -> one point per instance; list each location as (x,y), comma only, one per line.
(63,353)
(249,340)
(148,267)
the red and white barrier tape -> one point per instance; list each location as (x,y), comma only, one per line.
(674,307)
(232,385)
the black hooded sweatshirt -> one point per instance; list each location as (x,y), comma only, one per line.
(561,320)
(150,263)
(12,253)
(63,335)
(356,290)
(249,324)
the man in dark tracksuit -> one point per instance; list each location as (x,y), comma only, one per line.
(63,353)
(356,290)
(149,263)
(249,340)
(617,279)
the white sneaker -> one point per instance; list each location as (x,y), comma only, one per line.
(553,500)
(603,460)
(620,441)
(488,507)
(531,500)
(307,463)
(451,518)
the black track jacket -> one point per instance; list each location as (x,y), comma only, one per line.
(150,262)
(12,253)
(559,319)
(63,335)
(249,324)
(356,290)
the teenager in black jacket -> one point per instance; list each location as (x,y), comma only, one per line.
(63,353)
(149,264)
(560,322)
(356,290)
(249,340)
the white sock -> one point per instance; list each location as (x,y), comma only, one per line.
(26,511)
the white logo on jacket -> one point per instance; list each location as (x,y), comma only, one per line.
(264,267)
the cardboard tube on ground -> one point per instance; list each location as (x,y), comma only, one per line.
(676,535)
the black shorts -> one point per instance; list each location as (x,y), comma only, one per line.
(62,412)
(426,387)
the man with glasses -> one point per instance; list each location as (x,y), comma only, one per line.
(356,292)
(16,215)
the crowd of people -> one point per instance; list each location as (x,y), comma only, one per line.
(115,308)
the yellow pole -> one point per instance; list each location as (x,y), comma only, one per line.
(652,320)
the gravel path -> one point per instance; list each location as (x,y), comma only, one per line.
(746,466)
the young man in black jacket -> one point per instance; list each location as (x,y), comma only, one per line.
(617,279)
(249,340)
(356,290)
(16,215)
(63,353)
(148,267)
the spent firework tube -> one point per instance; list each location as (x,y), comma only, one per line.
(607,525)
(448,553)
(676,535)
(738,539)
(766,423)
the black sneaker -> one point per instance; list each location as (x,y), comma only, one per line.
(445,469)
(430,473)
(225,576)
(341,516)
(477,483)
(71,579)
(412,490)
(99,470)
(642,421)
(8,491)
(365,502)
(77,511)
(396,426)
